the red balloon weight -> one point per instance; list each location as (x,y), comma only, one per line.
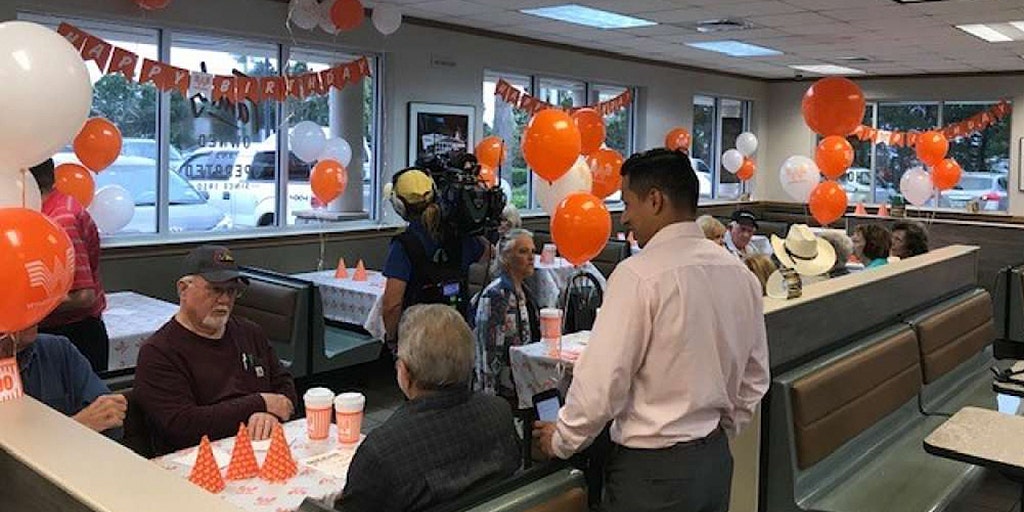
(581,227)
(828,202)
(37,266)
(491,152)
(833,106)
(591,126)
(75,181)
(551,144)
(347,14)
(833,156)
(98,144)
(488,176)
(747,170)
(152,5)
(605,168)
(678,139)
(328,180)
(946,174)
(932,147)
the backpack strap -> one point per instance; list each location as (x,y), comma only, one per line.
(417,255)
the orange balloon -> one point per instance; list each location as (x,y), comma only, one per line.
(491,152)
(678,139)
(37,266)
(946,174)
(828,202)
(591,126)
(328,180)
(932,147)
(98,144)
(605,168)
(833,156)
(347,14)
(747,170)
(488,176)
(551,144)
(75,181)
(581,227)
(833,106)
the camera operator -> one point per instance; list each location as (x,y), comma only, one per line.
(423,265)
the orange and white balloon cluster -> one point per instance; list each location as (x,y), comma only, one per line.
(917,185)
(832,107)
(335,16)
(740,161)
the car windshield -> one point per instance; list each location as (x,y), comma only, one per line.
(140,181)
(975,183)
(147,149)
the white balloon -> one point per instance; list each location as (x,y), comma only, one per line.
(305,14)
(732,160)
(337,149)
(578,179)
(19,189)
(324,18)
(112,209)
(506,188)
(386,18)
(799,175)
(916,186)
(46,94)
(308,141)
(746,143)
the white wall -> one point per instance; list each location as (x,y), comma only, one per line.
(788,135)
(665,94)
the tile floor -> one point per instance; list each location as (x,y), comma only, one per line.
(991,492)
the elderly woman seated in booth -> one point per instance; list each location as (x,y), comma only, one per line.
(871,245)
(909,239)
(505,316)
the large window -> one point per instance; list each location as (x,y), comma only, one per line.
(504,121)
(716,124)
(214,166)
(984,156)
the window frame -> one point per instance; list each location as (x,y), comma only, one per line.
(717,144)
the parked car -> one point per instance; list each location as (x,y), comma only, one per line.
(703,176)
(189,210)
(988,188)
(857,184)
(242,182)
(145,148)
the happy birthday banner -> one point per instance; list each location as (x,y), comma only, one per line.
(523,101)
(166,77)
(976,123)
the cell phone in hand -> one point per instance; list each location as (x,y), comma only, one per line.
(546,404)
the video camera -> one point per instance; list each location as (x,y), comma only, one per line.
(467,207)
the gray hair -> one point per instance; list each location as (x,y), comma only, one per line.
(842,244)
(436,345)
(511,215)
(507,245)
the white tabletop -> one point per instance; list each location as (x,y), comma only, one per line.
(131,318)
(352,302)
(542,366)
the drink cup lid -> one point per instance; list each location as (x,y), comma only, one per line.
(349,402)
(551,313)
(319,396)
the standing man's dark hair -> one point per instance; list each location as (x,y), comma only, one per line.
(668,171)
(43,173)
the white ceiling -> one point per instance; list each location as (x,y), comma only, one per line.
(897,39)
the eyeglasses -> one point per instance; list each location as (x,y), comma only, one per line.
(232,291)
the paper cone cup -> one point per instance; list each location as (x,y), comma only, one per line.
(360,273)
(205,472)
(279,465)
(243,459)
(341,272)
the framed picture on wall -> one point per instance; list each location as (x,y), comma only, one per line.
(1020,165)
(437,129)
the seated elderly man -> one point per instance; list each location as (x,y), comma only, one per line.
(205,371)
(740,237)
(54,372)
(446,439)
(505,316)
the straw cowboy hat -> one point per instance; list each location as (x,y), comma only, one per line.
(804,252)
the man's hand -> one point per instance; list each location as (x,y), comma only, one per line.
(261,424)
(104,413)
(278,405)
(543,431)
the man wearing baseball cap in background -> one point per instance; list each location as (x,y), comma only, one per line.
(205,371)
(739,237)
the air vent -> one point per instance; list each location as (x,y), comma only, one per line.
(853,59)
(721,25)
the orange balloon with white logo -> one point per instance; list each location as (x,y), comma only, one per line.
(328,180)
(932,147)
(75,181)
(605,168)
(678,139)
(581,227)
(37,266)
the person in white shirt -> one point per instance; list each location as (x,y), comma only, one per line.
(677,359)
(740,240)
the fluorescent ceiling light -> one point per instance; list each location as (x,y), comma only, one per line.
(588,16)
(735,48)
(1019,25)
(985,32)
(828,69)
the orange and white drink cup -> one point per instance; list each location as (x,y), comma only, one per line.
(547,255)
(551,328)
(318,412)
(348,411)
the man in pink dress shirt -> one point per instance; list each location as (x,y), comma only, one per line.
(677,360)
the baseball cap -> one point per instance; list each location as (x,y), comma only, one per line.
(414,186)
(745,217)
(213,263)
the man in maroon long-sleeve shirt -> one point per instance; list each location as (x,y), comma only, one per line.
(204,371)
